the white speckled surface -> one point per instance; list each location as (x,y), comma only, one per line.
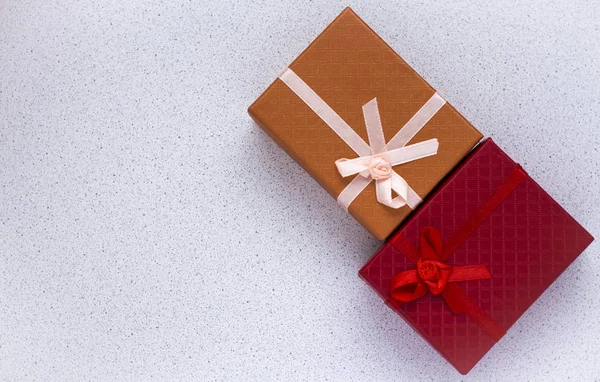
(150,230)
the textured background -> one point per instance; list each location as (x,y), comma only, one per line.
(150,230)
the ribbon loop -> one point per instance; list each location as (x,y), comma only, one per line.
(406,286)
(384,190)
(401,187)
(347,167)
(379,168)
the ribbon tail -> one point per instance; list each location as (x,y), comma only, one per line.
(401,187)
(412,153)
(459,302)
(469,272)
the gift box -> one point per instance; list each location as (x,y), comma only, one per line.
(364,124)
(475,256)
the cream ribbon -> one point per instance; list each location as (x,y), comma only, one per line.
(377,158)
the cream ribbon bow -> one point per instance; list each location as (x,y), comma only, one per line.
(377,158)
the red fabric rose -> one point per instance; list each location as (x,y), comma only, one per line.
(434,274)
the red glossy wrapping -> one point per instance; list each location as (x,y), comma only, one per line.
(526,243)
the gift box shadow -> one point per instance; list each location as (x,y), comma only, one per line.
(287,186)
(395,343)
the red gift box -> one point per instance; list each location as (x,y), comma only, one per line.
(475,256)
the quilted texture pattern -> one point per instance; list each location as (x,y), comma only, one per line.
(348,65)
(526,243)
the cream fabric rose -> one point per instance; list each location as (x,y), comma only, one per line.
(379,168)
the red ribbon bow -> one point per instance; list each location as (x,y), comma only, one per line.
(434,275)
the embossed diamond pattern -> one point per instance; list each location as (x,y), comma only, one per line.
(526,243)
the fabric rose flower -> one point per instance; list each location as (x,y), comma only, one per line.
(434,274)
(379,168)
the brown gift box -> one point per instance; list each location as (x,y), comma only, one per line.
(347,66)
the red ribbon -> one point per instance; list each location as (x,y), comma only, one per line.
(434,275)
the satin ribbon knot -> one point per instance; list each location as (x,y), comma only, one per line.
(379,168)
